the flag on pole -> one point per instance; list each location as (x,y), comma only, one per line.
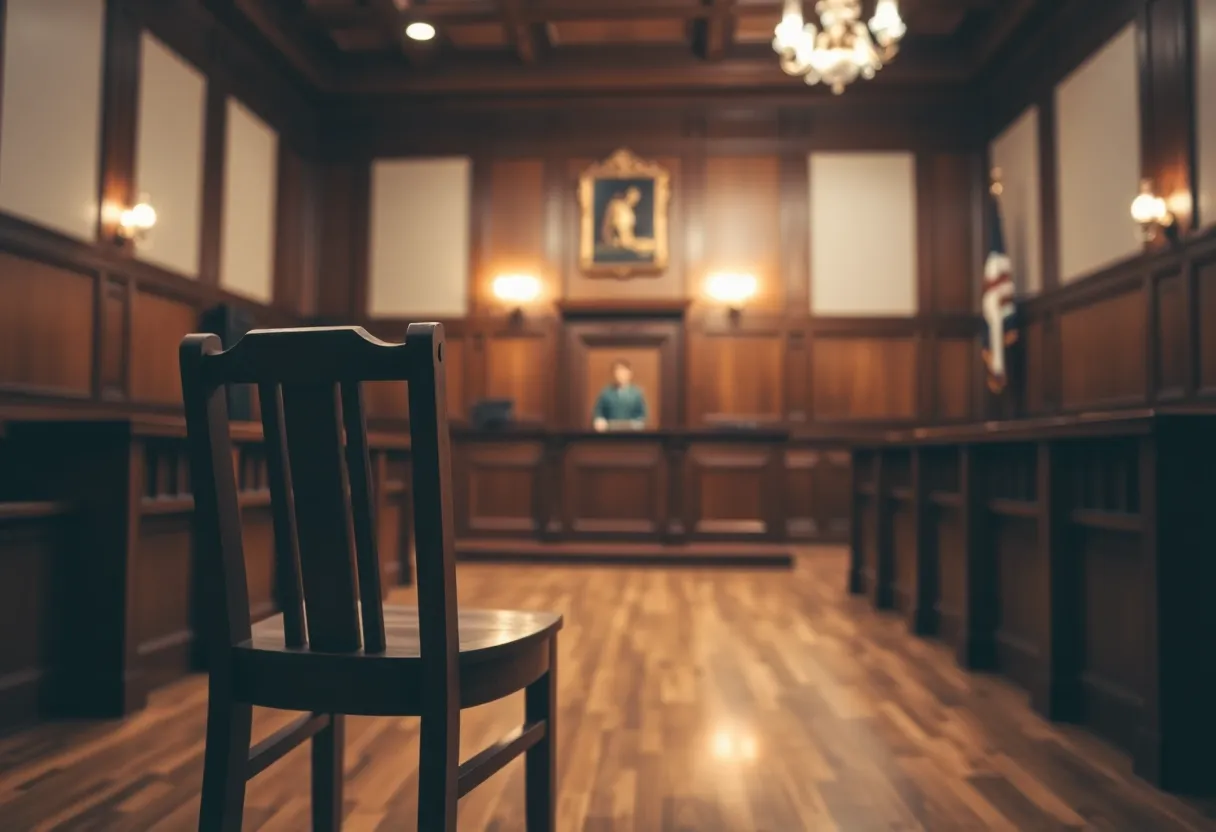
(996,303)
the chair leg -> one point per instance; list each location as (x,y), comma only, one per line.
(225,763)
(439,770)
(540,768)
(327,748)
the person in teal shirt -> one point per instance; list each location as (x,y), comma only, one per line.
(620,400)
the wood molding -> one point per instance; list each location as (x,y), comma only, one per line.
(215,141)
(1168,89)
(614,308)
(119,116)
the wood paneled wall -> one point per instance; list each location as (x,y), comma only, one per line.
(96,564)
(88,323)
(740,202)
(1134,333)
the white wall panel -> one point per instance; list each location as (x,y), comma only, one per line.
(251,175)
(169,161)
(1098,158)
(51,121)
(1016,153)
(1205,92)
(863,233)
(419,245)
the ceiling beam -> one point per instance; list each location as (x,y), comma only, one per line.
(717,28)
(1008,18)
(284,35)
(618,70)
(540,11)
(527,36)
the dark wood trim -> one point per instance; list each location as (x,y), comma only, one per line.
(215,143)
(612,308)
(1144,72)
(1168,115)
(676,123)
(796,233)
(119,118)
(1049,194)
(926,297)
(557,193)
(361,237)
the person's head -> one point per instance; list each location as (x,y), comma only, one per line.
(622,373)
(633,196)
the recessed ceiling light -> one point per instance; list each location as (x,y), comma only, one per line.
(420,31)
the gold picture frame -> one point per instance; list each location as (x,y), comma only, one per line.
(623,203)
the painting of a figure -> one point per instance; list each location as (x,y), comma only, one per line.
(624,216)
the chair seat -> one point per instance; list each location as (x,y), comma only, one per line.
(501,651)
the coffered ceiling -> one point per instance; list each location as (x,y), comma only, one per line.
(596,46)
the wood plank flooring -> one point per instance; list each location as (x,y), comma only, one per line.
(689,700)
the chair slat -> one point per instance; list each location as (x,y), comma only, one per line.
(319,484)
(282,504)
(363,517)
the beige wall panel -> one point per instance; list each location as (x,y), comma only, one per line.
(419,241)
(51,120)
(1098,159)
(863,233)
(169,161)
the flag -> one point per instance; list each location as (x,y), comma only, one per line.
(996,303)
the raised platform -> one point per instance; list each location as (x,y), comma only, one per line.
(748,555)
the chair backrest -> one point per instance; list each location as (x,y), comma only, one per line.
(309,388)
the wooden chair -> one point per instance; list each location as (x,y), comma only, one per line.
(336,649)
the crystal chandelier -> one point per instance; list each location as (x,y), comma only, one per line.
(841,48)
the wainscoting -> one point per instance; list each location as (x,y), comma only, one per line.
(1068,554)
(102,588)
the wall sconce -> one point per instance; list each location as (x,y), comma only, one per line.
(516,290)
(1152,213)
(731,289)
(135,222)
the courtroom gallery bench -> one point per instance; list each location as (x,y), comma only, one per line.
(123,609)
(36,539)
(1074,555)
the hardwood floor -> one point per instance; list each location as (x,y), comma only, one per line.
(689,699)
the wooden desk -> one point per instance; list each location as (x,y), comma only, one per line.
(646,494)
(1074,555)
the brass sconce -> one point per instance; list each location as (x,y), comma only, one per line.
(516,291)
(731,289)
(135,222)
(1153,214)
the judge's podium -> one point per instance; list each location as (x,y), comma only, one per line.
(629,493)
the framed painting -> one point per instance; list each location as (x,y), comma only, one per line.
(623,205)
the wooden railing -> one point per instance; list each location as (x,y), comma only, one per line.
(1072,555)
